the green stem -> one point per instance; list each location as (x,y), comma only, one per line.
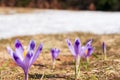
(88,60)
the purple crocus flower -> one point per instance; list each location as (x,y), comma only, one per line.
(104,47)
(104,50)
(25,58)
(79,51)
(75,50)
(83,51)
(87,50)
(54,53)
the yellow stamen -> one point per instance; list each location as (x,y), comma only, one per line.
(25,52)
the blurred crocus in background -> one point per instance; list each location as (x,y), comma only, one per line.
(54,53)
(104,50)
(25,58)
(79,52)
(76,51)
(87,50)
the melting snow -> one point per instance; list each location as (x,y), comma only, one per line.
(59,21)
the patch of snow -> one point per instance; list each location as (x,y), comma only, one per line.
(59,21)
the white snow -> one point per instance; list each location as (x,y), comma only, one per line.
(59,21)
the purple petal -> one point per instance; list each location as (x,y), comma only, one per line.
(87,51)
(37,53)
(27,60)
(53,50)
(90,51)
(18,61)
(10,51)
(83,51)
(103,47)
(54,53)
(89,42)
(19,49)
(77,46)
(70,47)
(58,51)
(31,45)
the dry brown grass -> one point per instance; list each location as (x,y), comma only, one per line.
(98,69)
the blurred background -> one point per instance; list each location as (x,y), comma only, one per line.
(28,17)
(106,5)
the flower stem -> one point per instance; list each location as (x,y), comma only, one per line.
(26,76)
(105,55)
(53,65)
(77,66)
(88,60)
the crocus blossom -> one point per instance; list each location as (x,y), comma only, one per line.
(54,53)
(25,57)
(87,50)
(76,51)
(104,47)
(79,51)
(82,51)
(104,50)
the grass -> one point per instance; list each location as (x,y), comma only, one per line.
(97,69)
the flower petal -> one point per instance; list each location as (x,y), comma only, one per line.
(54,53)
(77,46)
(35,56)
(83,51)
(31,45)
(87,51)
(19,49)
(27,60)
(10,51)
(70,47)
(18,61)
(90,51)
(57,51)
(104,47)
(89,42)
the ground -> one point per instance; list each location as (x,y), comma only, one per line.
(97,69)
